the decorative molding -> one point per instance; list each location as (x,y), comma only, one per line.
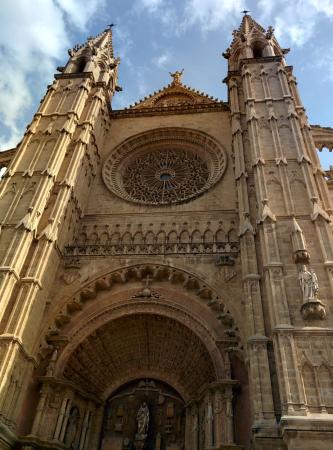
(227,250)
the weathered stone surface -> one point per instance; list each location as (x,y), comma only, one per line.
(180,248)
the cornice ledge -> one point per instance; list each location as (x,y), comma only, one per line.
(189,109)
(67,383)
(257,338)
(16,340)
(61,76)
(261,60)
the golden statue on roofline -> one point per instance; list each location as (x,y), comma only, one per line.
(177,76)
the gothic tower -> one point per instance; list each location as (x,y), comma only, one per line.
(167,269)
(284,208)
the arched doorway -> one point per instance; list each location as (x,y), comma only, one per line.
(91,400)
(165,417)
(166,334)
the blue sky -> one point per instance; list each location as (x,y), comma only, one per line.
(153,37)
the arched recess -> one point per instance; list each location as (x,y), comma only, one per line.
(132,277)
(141,322)
(145,340)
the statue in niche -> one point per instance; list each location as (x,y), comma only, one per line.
(52,363)
(72,428)
(309,284)
(142,418)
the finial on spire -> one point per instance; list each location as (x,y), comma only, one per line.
(245,11)
(111,25)
(177,76)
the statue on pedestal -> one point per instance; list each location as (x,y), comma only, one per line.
(309,284)
(312,308)
(142,418)
(177,76)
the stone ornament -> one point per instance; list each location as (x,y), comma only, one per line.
(166,166)
(165,176)
(312,308)
(143,421)
(177,76)
(147,292)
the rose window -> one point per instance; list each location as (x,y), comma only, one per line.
(165,176)
(163,167)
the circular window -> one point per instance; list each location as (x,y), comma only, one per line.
(164,166)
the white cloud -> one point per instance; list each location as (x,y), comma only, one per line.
(162,60)
(323,63)
(33,36)
(79,12)
(151,5)
(295,22)
(211,14)
(124,43)
(207,14)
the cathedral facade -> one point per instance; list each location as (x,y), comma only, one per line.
(166,270)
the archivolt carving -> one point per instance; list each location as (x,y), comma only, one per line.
(157,273)
(163,166)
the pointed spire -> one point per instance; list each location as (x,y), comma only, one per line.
(251,40)
(96,57)
(248,23)
(102,41)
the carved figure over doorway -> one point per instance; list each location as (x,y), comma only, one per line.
(143,421)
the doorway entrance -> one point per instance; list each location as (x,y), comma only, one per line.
(165,428)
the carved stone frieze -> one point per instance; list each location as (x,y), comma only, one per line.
(212,237)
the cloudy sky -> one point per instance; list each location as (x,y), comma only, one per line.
(153,37)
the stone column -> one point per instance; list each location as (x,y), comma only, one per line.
(60,418)
(218,418)
(188,428)
(210,424)
(65,421)
(229,415)
(40,410)
(85,427)
(93,435)
(87,436)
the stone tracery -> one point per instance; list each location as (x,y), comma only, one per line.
(165,176)
(164,166)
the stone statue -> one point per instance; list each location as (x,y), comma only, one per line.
(177,76)
(142,418)
(52,363)
(309,284)
(72,428)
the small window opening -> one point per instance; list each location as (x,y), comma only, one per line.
(257,50)
(80,65)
